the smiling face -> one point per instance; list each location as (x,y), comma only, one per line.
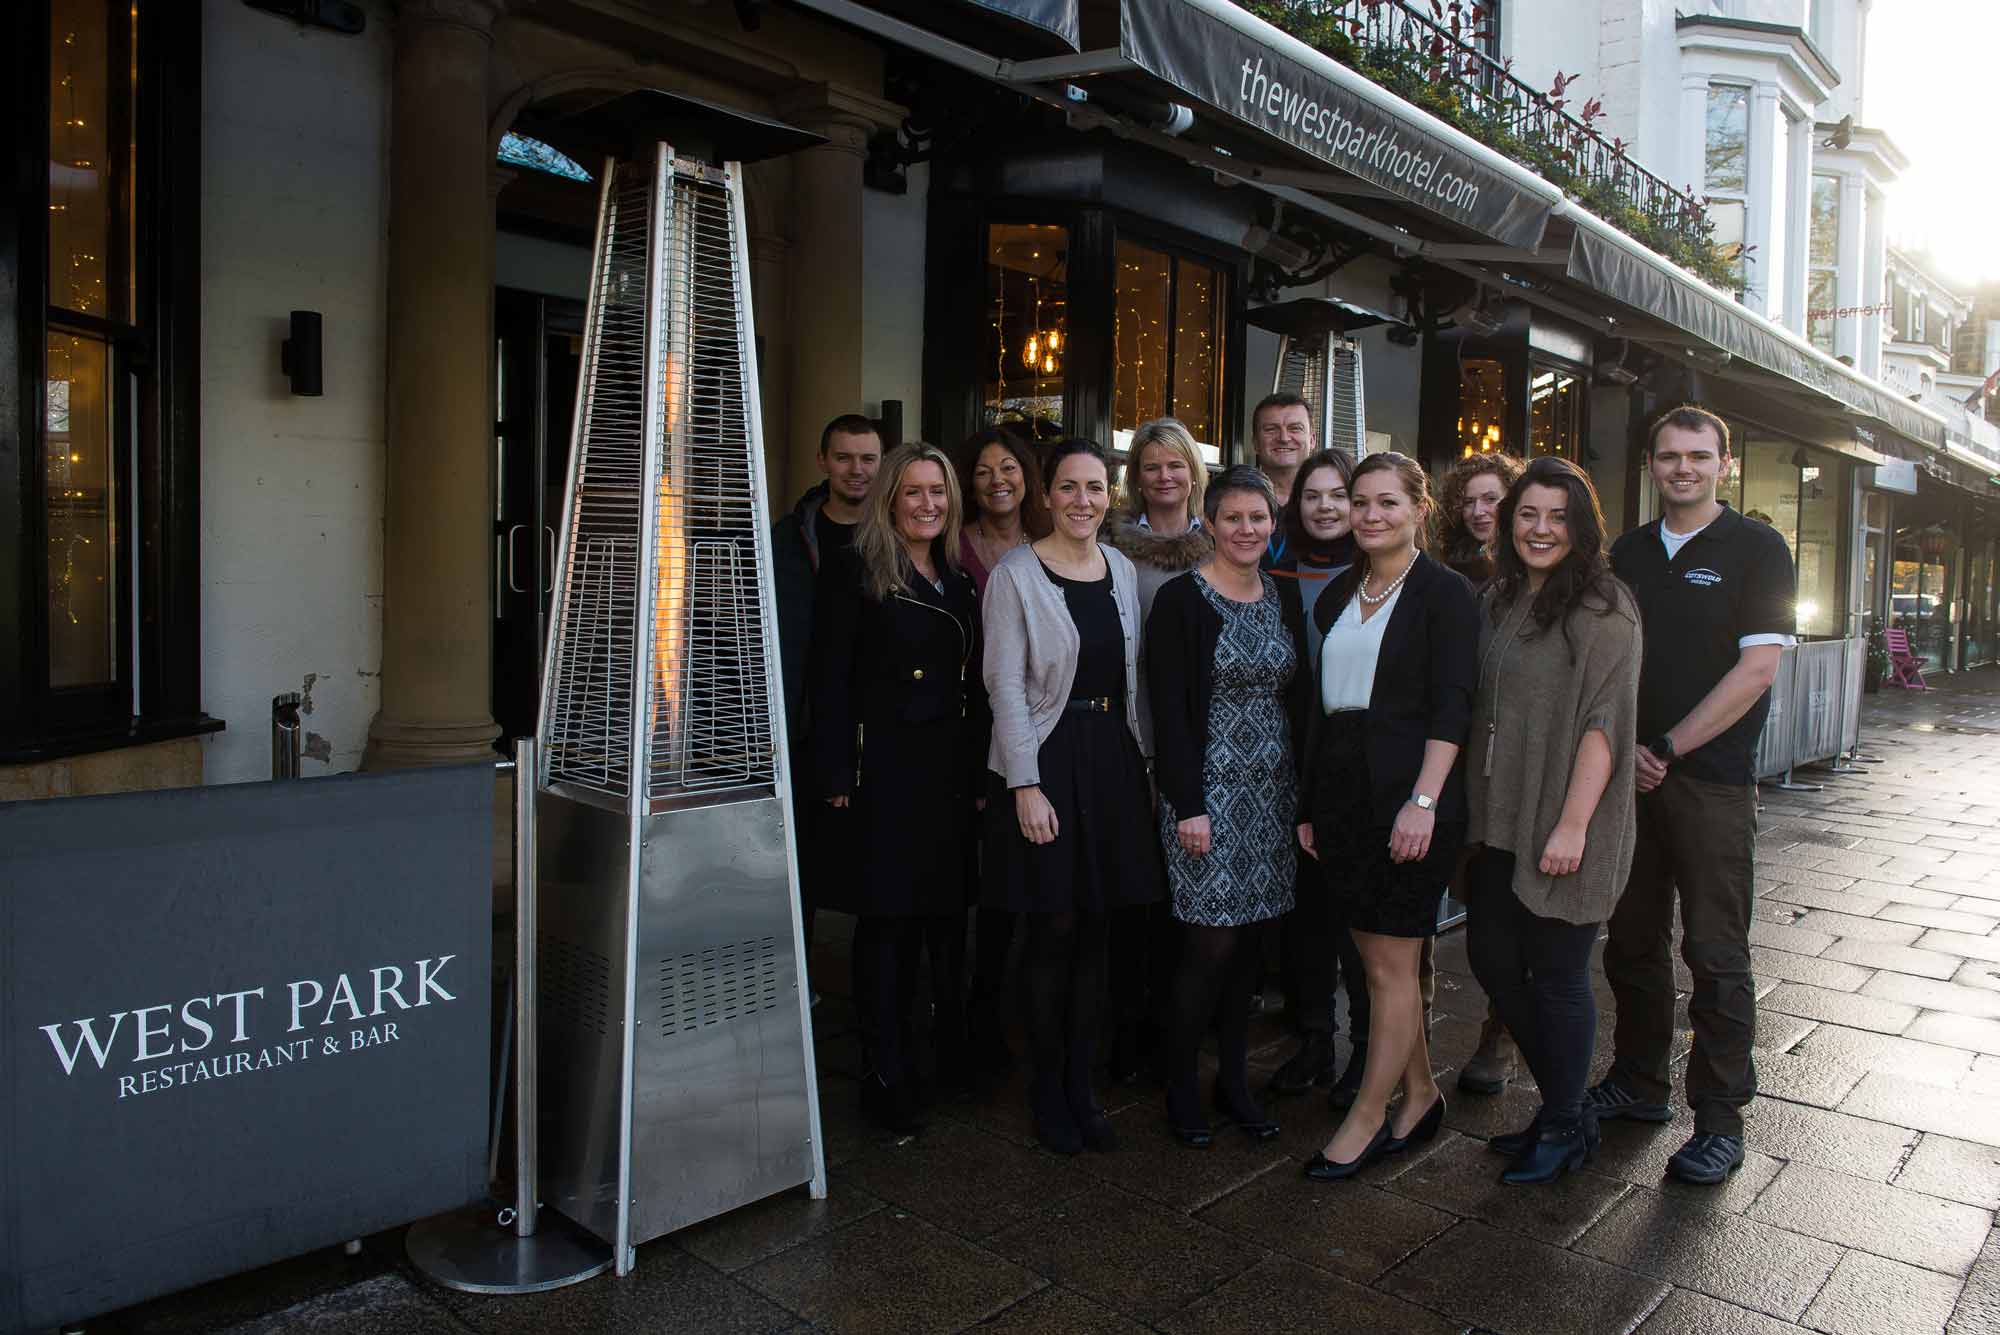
(1541,529)
(997,481)
(1480,510)
(1384,515)
(1323,504)
(1242,529)
(1284,437)
(1165,480)
(1079,494)
(851,460)
(921,504)
(1687,464)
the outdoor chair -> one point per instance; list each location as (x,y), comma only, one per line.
(1906,669)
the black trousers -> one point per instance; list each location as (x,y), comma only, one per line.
(886,953)
(1537,971)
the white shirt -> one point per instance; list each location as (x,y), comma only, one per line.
(1673,542)
(1347,660)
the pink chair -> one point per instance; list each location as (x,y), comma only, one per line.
(1906,669)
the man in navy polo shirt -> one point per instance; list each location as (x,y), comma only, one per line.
(1715,593)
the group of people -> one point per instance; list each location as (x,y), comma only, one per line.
(1151,731)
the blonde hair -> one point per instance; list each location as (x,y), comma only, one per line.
(1169,433)
(885,563)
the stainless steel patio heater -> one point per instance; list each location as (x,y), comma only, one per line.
(1320,360)
(677,1079)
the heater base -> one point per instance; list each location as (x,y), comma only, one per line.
(470,1251)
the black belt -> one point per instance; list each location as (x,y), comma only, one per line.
(1093,704)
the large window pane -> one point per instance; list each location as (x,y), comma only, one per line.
(1797,492)
(1820,297)
(1728,141)
(1555,413)
(1139,336)
(80,511)
(1823,243)
(1482,406)
(91,69)
(1166,342)
(1198,307)
(1027,329)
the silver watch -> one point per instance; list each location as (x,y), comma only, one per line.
(1424,801)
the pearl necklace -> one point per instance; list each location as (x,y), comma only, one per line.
(1383,596)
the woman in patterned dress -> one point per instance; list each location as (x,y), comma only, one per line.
(1219,659)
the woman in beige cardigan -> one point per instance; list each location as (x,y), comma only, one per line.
(1550,788)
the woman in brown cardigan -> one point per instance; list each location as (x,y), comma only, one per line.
(1550,789)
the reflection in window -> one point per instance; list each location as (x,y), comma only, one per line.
(90,158)
(1727,173)
(1027,331)
(1797,492)
(79,509)
(1555,413)
(1167,337)
(1822,260)
(1919,587)
(1482,405)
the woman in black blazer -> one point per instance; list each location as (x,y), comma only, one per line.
(1382,793)
(899,738)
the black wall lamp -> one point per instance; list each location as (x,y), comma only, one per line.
(298,356)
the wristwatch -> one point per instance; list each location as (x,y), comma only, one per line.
(1424,801)
(1663,747)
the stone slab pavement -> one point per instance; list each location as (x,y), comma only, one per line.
(1866,1206)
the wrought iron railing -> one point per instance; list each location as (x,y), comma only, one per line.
(1433,53)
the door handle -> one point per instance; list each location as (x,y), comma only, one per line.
(513,585)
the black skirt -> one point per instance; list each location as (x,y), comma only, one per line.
(1371,893)
(1105,854)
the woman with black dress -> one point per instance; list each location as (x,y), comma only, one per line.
(899,725)
(1221,647)
(1383,791)
(1066,835)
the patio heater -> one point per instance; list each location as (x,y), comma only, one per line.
(675,1045)
(1320,360)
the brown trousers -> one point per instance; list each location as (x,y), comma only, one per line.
(1696,842)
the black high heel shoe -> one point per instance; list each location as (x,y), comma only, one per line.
(1322,1169)
(1254,1124)
(1423,1132)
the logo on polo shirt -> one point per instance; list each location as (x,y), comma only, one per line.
(1702,575)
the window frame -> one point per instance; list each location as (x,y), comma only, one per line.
(1832,266)
(156,695)
(1737,195)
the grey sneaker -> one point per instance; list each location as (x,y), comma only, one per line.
(1706,1159)
(1612,1100)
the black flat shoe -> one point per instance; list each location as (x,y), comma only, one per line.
(1251,1122)
(1555,1152)
(1322,1169)
(1423,1132)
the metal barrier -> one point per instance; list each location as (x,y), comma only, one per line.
(1815,708)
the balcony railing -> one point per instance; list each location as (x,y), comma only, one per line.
(1430,53)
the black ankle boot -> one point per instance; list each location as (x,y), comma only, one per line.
(1555,1151)
(1311,1065)
(1514,1142)
(1184,1117)
(1055,1124)
(1241,1109)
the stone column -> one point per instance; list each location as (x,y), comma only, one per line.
(1764,286)
(1798,219)
(1874,284)
(437,566)
(1847,280)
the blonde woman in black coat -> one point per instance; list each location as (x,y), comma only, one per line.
(899,738)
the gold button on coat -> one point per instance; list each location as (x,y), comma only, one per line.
(917,675)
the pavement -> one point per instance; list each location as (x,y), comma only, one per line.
(1866,1206)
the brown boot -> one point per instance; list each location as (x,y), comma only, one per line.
(1496,1062)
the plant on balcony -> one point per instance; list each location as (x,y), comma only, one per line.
(1442,72)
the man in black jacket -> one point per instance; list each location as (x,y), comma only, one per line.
(1715,591)
(822,523)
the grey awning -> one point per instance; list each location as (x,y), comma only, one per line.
(1057,17)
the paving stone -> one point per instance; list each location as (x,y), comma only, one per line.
(1956,1170)
(1802,1079)
(1980,906)
(1855,928)
(1685,1312)
(965,1180)
(1127,1253)
(1735,1259)
(1902,959)
(1979,973)
(1349,1228)
(1978,1310)
(1804,1134)
(1934,994)
(1819,1003)
(1886,1221)
(1813,897)
(1872,1296)
(1637,1153)
(1057,1311)
(668,1291)
(1899,893)
(1475,1274)
(1465,1180)
(1958,1031)
(1901,851)
(1931,1063)
(1770,874)
(1984,1078)
(1962,943)
(385,1305)
(1861,864)
(1777,936)
(1957,884)
(1948,1112)
(1150,1162)
(1953,919)
(888,1271)
(1280,1296)
(1787,967)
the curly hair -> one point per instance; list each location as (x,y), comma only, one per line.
(1459,544)
(1583,581)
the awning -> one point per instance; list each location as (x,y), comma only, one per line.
(1278,86)
(1656,290)
(1057,17)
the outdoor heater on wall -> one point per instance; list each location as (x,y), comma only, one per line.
(675,1045)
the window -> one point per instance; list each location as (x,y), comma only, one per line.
(1915,332)
(1555,413)
(1727,155)
(98,473)
(1822,260)
(1167,336)
(1482,406)
(1027,330)
(1798,492)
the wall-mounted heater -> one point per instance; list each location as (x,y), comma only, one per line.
(1320,360)
(677,1075)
